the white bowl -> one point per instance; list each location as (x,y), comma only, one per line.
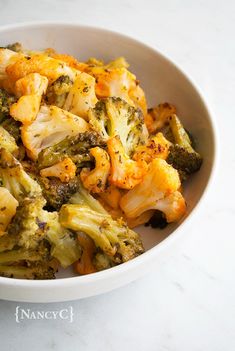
(162,81)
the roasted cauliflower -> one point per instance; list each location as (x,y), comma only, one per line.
(51,126)
(83,161)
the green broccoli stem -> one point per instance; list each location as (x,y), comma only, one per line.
(19,255)
(83,197)
(96,225)
(114,238)
(24,272)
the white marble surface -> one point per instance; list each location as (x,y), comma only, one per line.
(186,303)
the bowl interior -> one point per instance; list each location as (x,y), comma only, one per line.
(161,80)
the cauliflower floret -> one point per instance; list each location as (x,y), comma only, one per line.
(8,205)
(42,64)
(31,84)
(137,95)
(95,180)
(173,206)
(160,181)
(113,82)
(6,57)
(111,196)
(51,126)
(64,170)
(68,59)
(156,147)
(125,173)
(158,116)
(30,90)
(114,79)
(81,96)
(26,108)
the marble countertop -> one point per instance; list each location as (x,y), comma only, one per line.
(188,302)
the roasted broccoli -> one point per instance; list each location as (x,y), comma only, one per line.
(75,147)
(57,193)
(83,197)
(35,239)
(28,270)
(8,205)
(26,228)
(158,220)
(115,117)
(13,127)
(15,179)
(7,141)
(24,252)
(114,238)
(58,91)
(182,156)
(6,100)
(64,245)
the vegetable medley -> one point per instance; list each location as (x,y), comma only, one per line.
(82,162)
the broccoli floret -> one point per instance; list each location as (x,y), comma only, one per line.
(26,229)
(115,117)
(184,161)
(7,141)
(75,147)
(158,220)
(32,224)
(58,91)
(35,238)
(83,197)
(57,193)
(33,271)
(15,179)
(182,156)
(64,244)
(115,242)
(25,252)
(101,261)
(114,238)
(13,128)
(18,255)
(8,205)
(6,100)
